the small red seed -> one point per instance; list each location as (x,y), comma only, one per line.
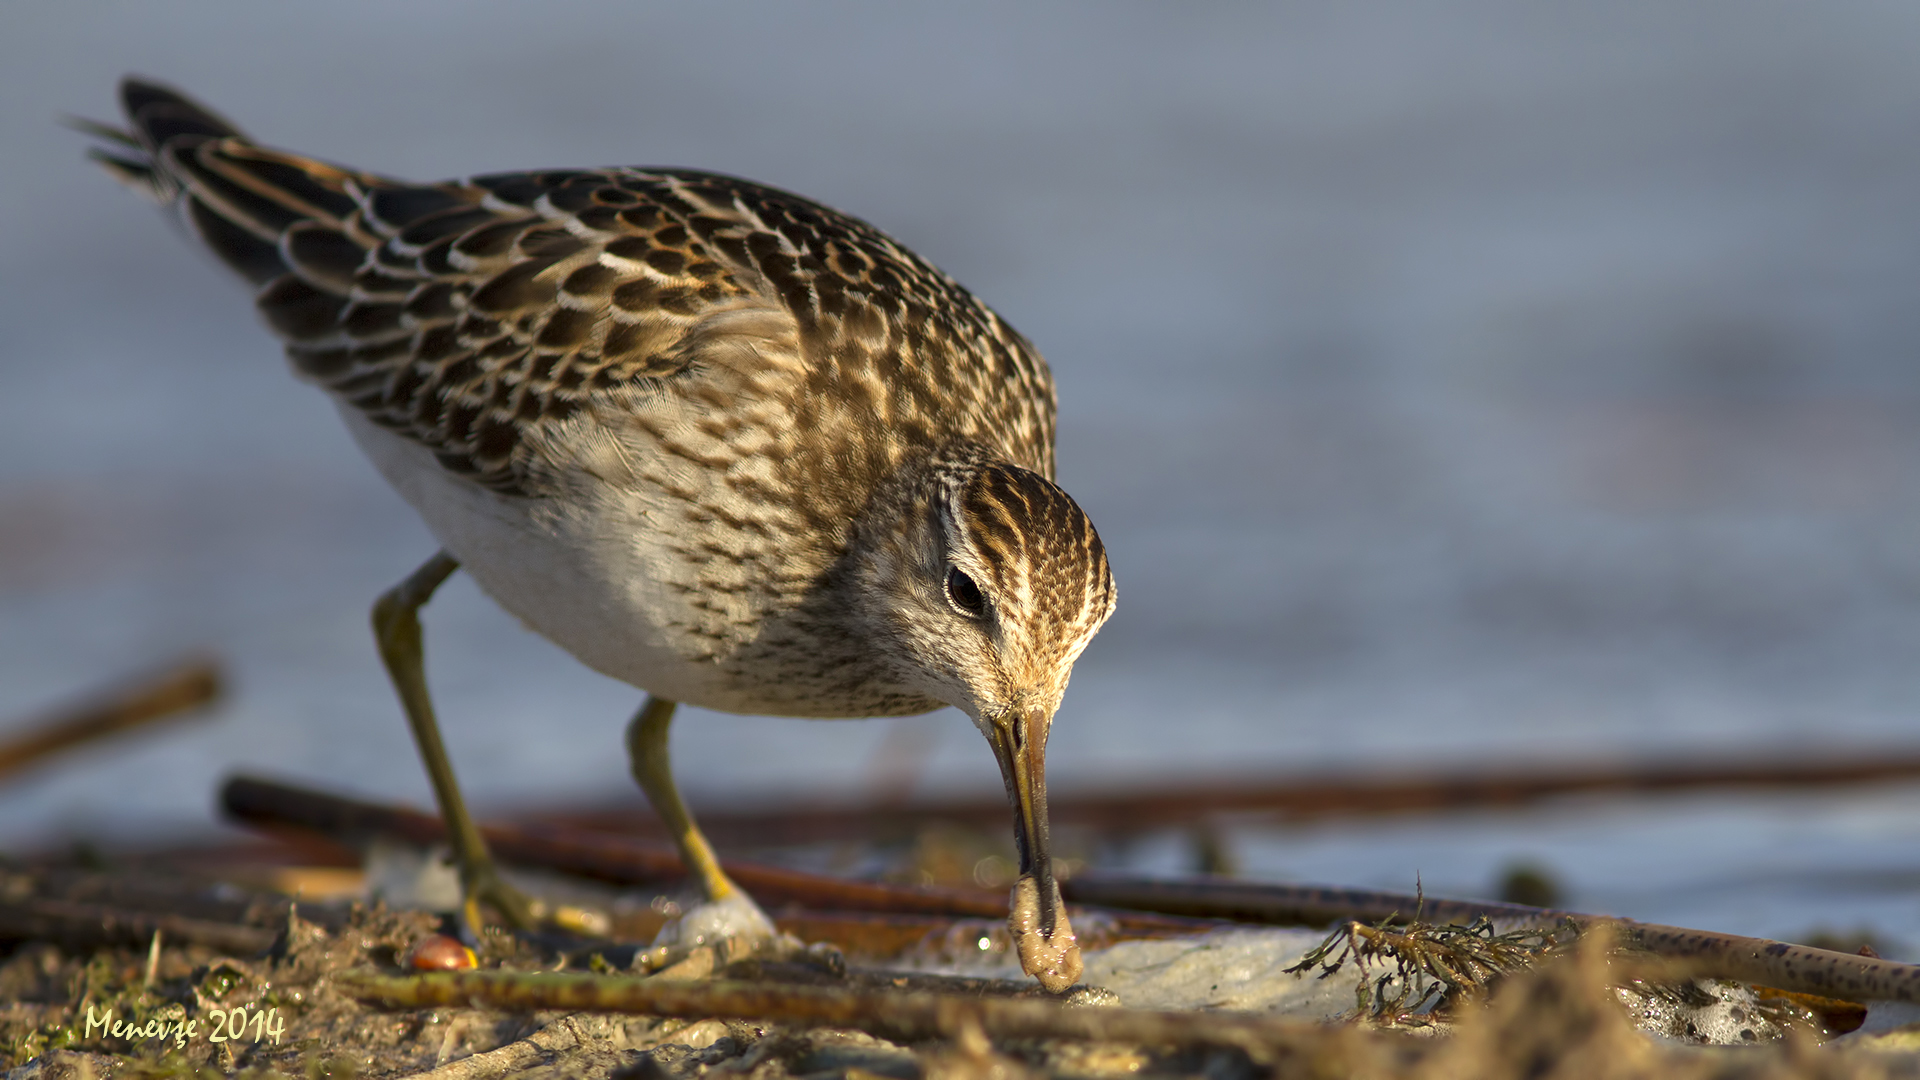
(438,952)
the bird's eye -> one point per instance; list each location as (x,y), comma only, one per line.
(964,594)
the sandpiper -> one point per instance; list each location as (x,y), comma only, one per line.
(714,439)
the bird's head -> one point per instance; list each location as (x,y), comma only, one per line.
(990,585)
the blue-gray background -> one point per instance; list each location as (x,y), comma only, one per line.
(1449,381)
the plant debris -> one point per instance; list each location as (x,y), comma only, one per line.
(1429,965)
(331,991)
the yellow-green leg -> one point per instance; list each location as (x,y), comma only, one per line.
(647,752)
(396,627)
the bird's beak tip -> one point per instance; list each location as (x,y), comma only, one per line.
(1036,916)
(1051,955)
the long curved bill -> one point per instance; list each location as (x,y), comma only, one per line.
(1037,918)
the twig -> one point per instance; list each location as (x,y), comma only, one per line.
(1798,968)
(1289,798)
(185,686)
(880,935)
(1201,896)
(606,858)
(610,858)
(899,1016)
(84,925)
(153,960)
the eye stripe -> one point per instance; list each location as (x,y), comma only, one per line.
(1043,557)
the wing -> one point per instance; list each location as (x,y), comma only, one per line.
(474,317)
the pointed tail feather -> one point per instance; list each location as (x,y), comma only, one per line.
(239,198)
(155,114)
(160,113)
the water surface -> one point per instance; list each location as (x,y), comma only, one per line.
(1490,381)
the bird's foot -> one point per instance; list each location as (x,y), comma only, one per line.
(483,885)
(432,879)
(714,934)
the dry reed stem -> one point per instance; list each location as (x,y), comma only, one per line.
(899,1016)
(178,689)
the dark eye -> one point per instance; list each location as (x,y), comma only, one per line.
(964,594)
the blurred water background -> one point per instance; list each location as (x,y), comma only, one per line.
(1488,381)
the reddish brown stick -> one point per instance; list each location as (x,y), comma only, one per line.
(1280,798)
(184,687)
(1206,897)
(279,807)
(78,924)
(903,1016)
(592,855)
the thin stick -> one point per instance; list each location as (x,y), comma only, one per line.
(181,688)
(153,960)
(621,861)
(282,807)
(1201,896)
(873,935)
(899,1016)
(606,858)
(1292,799)
(1799,968)
(84,925)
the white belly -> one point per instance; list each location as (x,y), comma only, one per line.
(593,576)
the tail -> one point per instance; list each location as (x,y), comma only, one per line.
(157,115)
(261,211)
(356,272)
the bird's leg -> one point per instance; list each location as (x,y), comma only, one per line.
(727,911)
(396,627)
(647,752)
